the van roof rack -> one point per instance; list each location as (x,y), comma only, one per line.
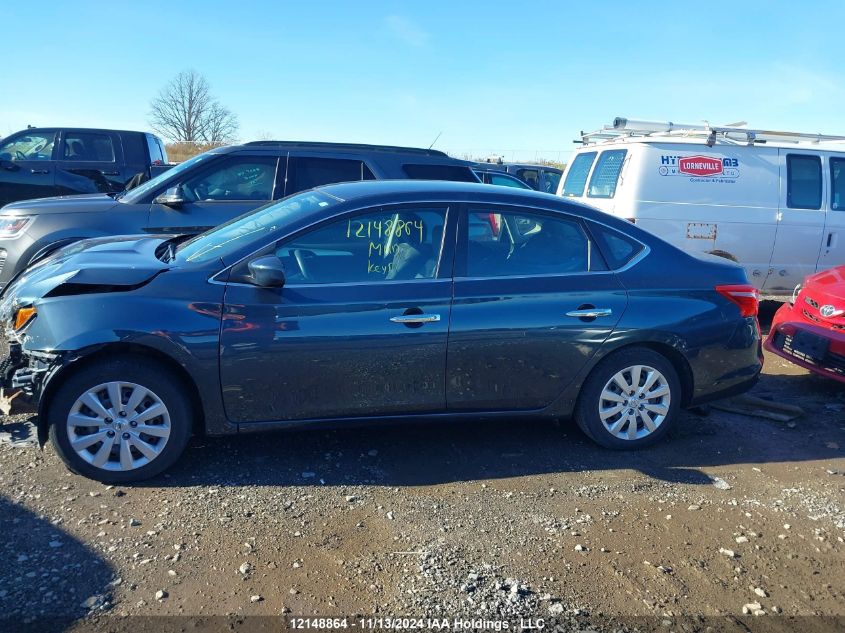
(737,133)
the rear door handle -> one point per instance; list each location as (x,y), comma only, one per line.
(39,171)
(111,173)
(590,313)
(416,318)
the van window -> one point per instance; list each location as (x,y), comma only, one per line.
(576,177)
(803,181)
(837,184)
(606,174)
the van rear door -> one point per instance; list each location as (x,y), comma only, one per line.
(801,220)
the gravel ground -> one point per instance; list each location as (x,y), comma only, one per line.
(731,522)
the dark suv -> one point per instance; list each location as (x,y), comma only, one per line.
(42,162)
(208,190)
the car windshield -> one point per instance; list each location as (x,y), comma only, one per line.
(251,228)
(136,195)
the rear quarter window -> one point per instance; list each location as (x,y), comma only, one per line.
(576,177)
(455,173)
(606,174)
(618,249)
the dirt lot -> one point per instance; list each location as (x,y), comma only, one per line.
(487,520)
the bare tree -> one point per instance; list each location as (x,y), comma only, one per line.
(185,111)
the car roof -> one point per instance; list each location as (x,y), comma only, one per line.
(493,166)
(390,191)
(62,128)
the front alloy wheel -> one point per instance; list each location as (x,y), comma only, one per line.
(118,426)
(120,420)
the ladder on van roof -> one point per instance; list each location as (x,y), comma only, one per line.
(737,133)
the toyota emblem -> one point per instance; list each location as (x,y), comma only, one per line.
(828,311)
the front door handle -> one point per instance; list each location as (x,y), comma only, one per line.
(111,173)
(416,318)
(39,171)
(590,313)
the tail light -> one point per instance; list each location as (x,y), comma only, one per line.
(746,296)
(495,223)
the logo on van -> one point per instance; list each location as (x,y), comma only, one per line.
(700,166)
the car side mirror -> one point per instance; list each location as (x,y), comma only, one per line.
(173,198)
(267,272)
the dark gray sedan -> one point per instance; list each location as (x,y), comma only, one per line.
(367,301)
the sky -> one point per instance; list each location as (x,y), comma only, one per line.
(490,78)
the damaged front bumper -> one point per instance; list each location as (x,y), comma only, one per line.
(24,373)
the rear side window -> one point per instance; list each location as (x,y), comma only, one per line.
(803,181)
(606,174)
(508,244)
(307,173)
(837,184)
(440,172)
(576,177)
(618,249)
(86,146)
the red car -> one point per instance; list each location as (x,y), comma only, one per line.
(810,331)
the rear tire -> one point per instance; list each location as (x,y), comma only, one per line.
(125,442)
(630,400)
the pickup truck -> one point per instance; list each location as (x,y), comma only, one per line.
(45,162)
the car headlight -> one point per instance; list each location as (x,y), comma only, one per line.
(13,226)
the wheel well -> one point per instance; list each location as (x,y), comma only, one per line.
(725,254)
(679,363)
(110,352)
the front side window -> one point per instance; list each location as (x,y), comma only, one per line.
(165,180)
(36,146)
(88,147)
(837,184)
(531,176)
(804,181)
(399,244)
(307,173)
(235,178)
(507,181)
(606,174)
(552,181)
(505,244)
(576,177)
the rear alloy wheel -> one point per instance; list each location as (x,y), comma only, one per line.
(630,399)
(120,421)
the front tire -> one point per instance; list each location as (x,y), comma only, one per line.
(120,421)
(630,400)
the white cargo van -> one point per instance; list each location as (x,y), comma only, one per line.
(773,201)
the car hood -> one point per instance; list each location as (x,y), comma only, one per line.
(826,286)
(105,264)
(87,203)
